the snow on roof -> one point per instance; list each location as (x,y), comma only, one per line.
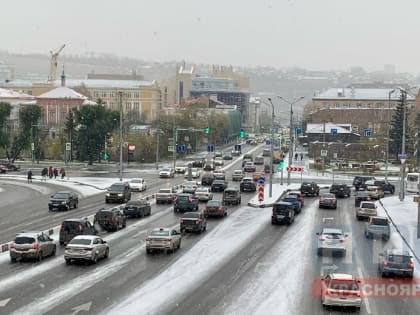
(319,128)
(360,94)
(5,93)
(63,92)
(98,83)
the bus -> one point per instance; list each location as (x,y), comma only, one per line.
(412,182)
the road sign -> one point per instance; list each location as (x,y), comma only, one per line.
(333,131)
(171,141)
(298,130)
(189,147)
(267,141)
(68,146)
(181,148)
(260,193)
(170,148)
(324,152)
(402,157)
(367,132)
(33,146)
(105,156)
(186,138)
(210,148)
(131,147)
(294,169)
(261,181)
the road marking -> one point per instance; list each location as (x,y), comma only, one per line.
(365,300)
(3,303)
(82,307)
(327,219)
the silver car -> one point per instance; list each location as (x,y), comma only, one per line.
(237,175)
(165,239)
(32,245)
(331,240)
(86,247)
(203,194)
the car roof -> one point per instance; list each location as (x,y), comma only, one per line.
(28,234)
(332,231)
(64,192)
(285,203)
(85,237)
(75,220)
(248,178)
(162,229)
(231,189)
(341,276)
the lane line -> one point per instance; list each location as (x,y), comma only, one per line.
(365,300)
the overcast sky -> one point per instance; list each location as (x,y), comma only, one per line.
(314,34)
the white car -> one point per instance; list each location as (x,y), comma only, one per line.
(203,194)
(166,172)
(180,168)
(138,184)
(164,239)
(195,173)
(340,289)
(332,240)
(218,161)
(86,247)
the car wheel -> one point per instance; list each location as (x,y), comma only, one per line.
(106,255)
(148,251)
(106,201)
(95,259)
(385,237)
(40,256)
(319,252)
(12,260)
(54,251)
(179,244)
(124,224)
(383,274)
(68,261)
(75,205)
(205,228)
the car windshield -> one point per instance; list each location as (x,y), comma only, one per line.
(61,195)
(117,188)
(24,240)
(346,285)
(160,233)
(80,241)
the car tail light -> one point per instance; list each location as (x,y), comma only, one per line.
(385,263)
(11,245)
(357,294)
(410,265)
(342,241)
(197,221)
(148,238)
(334,200)
(168,239)
(67,248)
(182,221)
(321,200)
(220,208)
(322,239)
(35,246)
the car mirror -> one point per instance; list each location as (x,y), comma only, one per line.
(104,241)
(381,254)
(317,233)
(346,235)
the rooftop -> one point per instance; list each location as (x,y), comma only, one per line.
(360,94)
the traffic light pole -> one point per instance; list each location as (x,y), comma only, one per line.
(270,193)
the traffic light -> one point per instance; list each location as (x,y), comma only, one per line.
(207,130)
(242,134)
(281,165)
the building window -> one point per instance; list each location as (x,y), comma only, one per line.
(136,106)
(355,128)
(136,94)
(95,94)
(51,116)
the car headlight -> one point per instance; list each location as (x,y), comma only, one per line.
(64,202)
(108,194)
(120,195)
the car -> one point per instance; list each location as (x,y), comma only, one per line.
(247,184)
(236,152)
(165,195)
(259,160)
(396,262)
(328,201)
(215,208)
(118,192)
(3,169)
(218,154)
(386,186)
(227,156)
(257,175)
(294,200)
(193,222)
(218,185)
(375,192)
(73,227)
(361,196)
(203,194)
(219,174)
(31,245)
(207,179)
(165,239)
(195,173)
(248,156)
(299,195)
(366,209)
(309,189)
(110,219)
(185,202)
(267,169)
(331,240)
(218,161)
(340,289)
(231,196)
(266,152)
(166,172)
(378,226)
(181,168)
(199,162)
(7,165)
(86,248)
(137,208)
(190,187)
(63,200)
(137,184)
(249,167)
(359,181)
(283,212)
(237,175)
(340,190)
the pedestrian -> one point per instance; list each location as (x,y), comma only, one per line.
(62,172)
(55,173)
(29,176)
(301,156)
(296,156)
(44,174)
(50,172)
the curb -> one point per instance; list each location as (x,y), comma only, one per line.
(265,205)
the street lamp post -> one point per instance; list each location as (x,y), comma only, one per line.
(387,132)
(403,98)
(271,149)
(121,135)
(291,140)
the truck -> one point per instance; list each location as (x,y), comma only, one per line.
(165,195)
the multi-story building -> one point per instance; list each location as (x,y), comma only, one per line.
(16,100)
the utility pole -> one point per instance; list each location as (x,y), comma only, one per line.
(402,192)
(323,148)
(121,134)
(157,148)
(387,134)
(271,149)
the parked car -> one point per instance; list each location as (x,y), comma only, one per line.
(231,196)
(237,175)
(294,200)
(215,208)
(73,227)
(328,201)
(185,202)
(63,200)
(359,181)
(218,185)
(309,189)
(340,289)
(207,179)
(361,196)
(203,194)
(138,184)
(378,226)
(331,240)
(193,222)
(396,262)
(366,209)
(3,169)
(165,239)
(247,184)
(283,212)
(375,192)
(259,160)
(137,208)
(8,165)
(86,247)
(118,192)
(110,219)
(31,245)
(249,167)
(340,190)
(167,172)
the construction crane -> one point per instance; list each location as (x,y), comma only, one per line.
(53,66)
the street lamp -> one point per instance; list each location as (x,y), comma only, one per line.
(271,149)
(387,132)
(120,133)
(290,132)
(403,98)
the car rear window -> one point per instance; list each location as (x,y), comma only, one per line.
(368,205)
(231,192)
(379,221)
(183,198)
(103,214)
(347,285)
(71,226)
(399,258)
(333,236)
(213,203)
(160,233)
(191,215)
(280,207)
(24,240)
(80,241)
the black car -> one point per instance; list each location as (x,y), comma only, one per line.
(309,189)
(361,196)
(215,208)
(137,208)
(267,168)
(359,181)
(73,227)
(340,190)
(193,222)
(385,186)
(110,219)
(118,192)
(282,213)
(218,185)
(198,163)
(227,156)
(231,196)
(185,203)
(63,200)
(247,184)
(207,179)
